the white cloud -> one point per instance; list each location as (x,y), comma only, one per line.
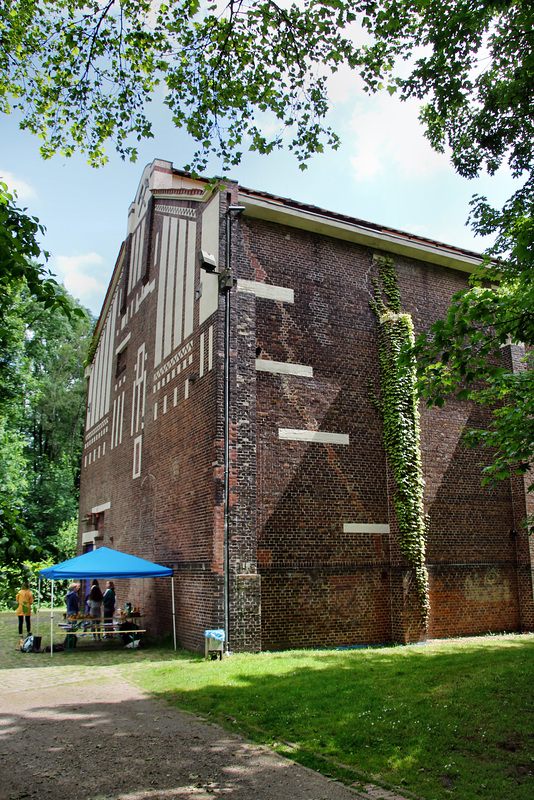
(344,85)
(84,277)
(389,138)
(23,189)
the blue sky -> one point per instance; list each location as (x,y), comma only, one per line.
(384,172)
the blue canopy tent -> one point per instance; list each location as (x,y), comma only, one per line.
(105,563)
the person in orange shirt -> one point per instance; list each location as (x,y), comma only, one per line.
(24,609)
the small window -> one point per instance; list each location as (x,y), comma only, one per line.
(121,362)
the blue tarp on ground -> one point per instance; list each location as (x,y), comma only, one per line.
(105,563)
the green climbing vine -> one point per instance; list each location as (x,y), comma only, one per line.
(91,352)
(400,416)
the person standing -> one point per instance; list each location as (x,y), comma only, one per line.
(73,607)
(109,602)
(71,600)
(24,609)
(95,605)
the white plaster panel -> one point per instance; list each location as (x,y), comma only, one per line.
(139,391)
(100,383)
(121,421)
(201,359)
(103,507)
(210,347)
(169,288)
(180,271)
(268,292)
(210,243)
(102,372)
(321,437)
(138,447)
(360,527)
(97,384)
(162,282)
(190,279)
(110,356)
(116,403)
(284,368)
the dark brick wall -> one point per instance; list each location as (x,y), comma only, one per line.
(297,579)
(319,585)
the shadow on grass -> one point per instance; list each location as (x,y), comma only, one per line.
(452,716)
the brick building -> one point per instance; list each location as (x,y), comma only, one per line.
(232,433)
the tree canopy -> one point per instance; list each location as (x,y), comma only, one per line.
(82,73)
(22,261)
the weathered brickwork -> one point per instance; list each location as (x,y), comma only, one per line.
(312,556)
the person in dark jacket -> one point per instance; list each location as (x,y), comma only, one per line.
(73,607)
(71,600)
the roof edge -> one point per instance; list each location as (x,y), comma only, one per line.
(317,220)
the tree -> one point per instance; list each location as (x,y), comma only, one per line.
(17,543)
(42,397)
(20,252)
(475,68)
(82,72)
(53,418)
(462,356)
(27,289)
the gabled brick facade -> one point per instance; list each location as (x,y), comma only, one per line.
(312,556)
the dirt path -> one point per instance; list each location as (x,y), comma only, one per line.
(79,729)
(101,738)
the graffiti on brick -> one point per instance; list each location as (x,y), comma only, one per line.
(487,587)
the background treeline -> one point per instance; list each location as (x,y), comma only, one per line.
(42,412)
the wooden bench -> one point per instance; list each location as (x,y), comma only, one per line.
(101,630)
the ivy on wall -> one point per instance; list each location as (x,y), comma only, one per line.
(400,415)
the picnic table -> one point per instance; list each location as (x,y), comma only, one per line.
(77,626)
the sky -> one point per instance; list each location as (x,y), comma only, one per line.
(384,172)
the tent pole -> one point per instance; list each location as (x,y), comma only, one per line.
(38,603)
(173,613)
(52,621)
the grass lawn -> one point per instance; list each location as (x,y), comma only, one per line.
(451,718)
(447,719)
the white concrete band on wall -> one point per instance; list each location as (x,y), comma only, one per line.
(101,508)
(280,293)
(362,527)
(321,437)
(123,344)
(284,368)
